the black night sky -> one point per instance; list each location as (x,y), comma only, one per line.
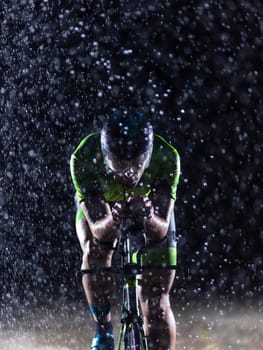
(195,69)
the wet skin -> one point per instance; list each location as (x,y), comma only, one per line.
(99,222)
(127,172)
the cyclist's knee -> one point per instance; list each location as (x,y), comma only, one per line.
(95,255)
(157,306)
(85,256)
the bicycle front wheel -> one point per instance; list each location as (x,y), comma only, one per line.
(134,339)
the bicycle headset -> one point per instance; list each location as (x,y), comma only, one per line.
(127,135)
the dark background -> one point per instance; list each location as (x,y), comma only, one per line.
(195,69)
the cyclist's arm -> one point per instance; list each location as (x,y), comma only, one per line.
(157,226)
(163,195)
(98,215)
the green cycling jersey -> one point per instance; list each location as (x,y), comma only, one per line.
(88,168)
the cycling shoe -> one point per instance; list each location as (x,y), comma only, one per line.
(103,342)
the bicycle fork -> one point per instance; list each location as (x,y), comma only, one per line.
(131,330)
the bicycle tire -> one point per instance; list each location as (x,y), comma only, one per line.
(133,339)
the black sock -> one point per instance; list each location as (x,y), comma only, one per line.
(104,327)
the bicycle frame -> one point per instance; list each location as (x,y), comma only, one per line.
(131,331)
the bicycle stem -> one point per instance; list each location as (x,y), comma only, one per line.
(130,289)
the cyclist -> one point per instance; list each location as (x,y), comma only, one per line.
(126,170)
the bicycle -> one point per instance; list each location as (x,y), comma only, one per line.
(131,335)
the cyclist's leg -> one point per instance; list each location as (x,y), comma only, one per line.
(154,297)
(98,287)
(158,316)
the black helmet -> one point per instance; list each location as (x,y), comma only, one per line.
(126,135)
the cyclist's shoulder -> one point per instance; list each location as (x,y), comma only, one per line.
(164,150)
(165,163)
(89,144)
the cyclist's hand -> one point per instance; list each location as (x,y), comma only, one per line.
(140,207)
(120,210)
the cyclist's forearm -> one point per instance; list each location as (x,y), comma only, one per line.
(156,227)
(103,229)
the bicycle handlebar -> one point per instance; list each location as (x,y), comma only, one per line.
(127,269)
(132,268)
